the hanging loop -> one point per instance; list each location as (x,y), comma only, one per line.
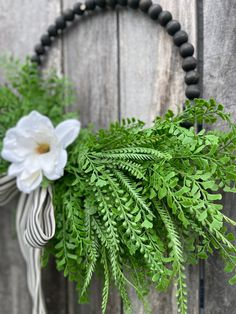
(154,11)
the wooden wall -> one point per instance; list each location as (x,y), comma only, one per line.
(123,64)
(219,57)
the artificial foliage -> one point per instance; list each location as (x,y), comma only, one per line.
(136,204)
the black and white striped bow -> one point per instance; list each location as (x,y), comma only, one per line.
(35,225)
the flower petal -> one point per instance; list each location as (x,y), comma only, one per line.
(32,164)
(67,132)
(17,145)
(33,120)
(58,169)
(48,160)
(15,169)
(27,182)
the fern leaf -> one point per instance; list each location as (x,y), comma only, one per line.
(90,265)
(132,190)
(105,292)
(178,256)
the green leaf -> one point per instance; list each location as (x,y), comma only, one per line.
(202,216)
(93,177)
(229,189)
(101,183)
(138,217)
(169,176)
(229,267)
(162,192)
(214,197)
(232,280)
(205,176)
(147,224)
(182,191)
(152,193)
(61,262)
(156,277)
(216,224)
(230,236)
(209,185)
(202,255)
(184,220)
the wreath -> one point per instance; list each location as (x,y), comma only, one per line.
(135,204)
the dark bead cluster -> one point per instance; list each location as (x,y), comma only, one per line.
(154,11)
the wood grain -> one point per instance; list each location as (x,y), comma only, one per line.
(22,22)
(220,82)
(151,77)
(91,62)
(151,82)
(123,64)
(14,297)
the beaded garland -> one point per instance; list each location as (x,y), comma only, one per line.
(154,11)
(139,203)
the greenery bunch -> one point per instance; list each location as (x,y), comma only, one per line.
(136,204)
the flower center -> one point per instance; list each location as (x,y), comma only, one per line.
(43,148)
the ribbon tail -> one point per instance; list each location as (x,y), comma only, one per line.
(30,254)
(41,224)
(8,189)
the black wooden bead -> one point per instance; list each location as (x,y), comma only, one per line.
(100,3)
(192,91)
(69,15)
(52,31)
(123,3)
(180,37)
(90,5)
(186,124)
(154,11)
(191,77)
(60,22)
(144,5)
(186,50)
(46,40)
(134,4)
(173,27)
(77,8)
(39,49)
(36,59)
(189,64)
(164,17)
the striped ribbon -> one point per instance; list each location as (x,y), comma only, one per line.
(8,189)
(35,225)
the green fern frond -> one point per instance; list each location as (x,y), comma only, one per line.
(90,264)
(132,190)
(177,253)
(132,167)
(105,291)
(137,153)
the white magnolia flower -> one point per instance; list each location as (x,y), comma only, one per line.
(36,149)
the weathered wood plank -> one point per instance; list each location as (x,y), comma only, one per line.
(13,287)
(219,82)
(22,22)
(151,82)
(152,79)
(55,289)
(90,61)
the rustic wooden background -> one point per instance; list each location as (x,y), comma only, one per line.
(123,64)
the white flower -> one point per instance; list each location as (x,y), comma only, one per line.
(36,149)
